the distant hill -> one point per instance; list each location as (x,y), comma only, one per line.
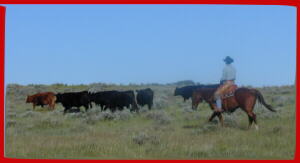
(183,83)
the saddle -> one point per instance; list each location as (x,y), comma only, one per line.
(228,100)
(229,92)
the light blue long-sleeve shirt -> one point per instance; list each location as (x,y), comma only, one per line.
(229,73)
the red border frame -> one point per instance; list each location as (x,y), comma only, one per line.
(295,3)
(240,2)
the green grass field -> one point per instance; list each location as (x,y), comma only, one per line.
(171,130)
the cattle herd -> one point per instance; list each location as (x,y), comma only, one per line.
(113,100)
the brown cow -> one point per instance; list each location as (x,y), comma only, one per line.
(45,98)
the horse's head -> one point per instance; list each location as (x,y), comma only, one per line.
(196,99)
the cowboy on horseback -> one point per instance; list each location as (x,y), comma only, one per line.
(227,80)
(233,97)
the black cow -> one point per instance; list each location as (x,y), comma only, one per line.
(74,99)
(103,98)
(145,97)
(124,99)
(187,91)
(114,100)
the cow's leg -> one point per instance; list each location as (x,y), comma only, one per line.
(113,108)
(49,103)
(52,105)
(66,109)
(33,106)
(136,108)
(149,106)
(86,107)
(105,107)
(102,107)
(133,108)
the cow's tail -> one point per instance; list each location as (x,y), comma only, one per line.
(262,100)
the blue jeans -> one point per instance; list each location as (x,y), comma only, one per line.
(219,103)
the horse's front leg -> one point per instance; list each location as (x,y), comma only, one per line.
(220,118)
(213,115)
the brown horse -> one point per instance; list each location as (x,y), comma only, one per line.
(243,98)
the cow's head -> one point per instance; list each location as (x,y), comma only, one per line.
(29,99)
(177,91)
(58,97)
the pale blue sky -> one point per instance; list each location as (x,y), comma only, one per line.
(76,44)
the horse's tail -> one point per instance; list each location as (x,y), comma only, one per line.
(262,100)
